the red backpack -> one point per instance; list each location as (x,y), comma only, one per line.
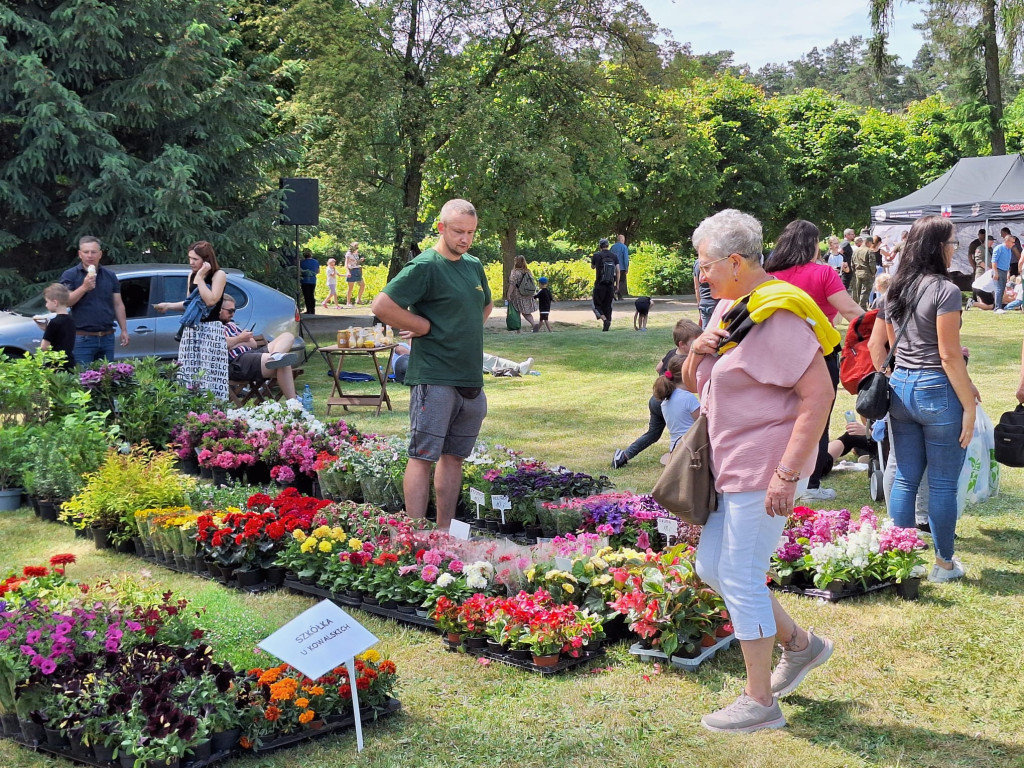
(855,360)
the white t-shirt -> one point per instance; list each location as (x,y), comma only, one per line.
(835,260)
(678,412)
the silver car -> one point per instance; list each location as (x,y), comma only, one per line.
(259,307)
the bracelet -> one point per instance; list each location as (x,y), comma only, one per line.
(783,468)
(787,479)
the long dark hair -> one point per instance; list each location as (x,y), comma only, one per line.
(205,251)
(665,384)
(797,245)
(923,255)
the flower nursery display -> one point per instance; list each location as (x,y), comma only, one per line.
(828,552)
(119,670)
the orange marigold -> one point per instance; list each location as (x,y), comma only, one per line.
(316,690)
(272,713)
(270,676)
(283,690)
(387,667)
(306,716)
(245,742)
(302,703)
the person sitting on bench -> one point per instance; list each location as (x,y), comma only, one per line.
(247,363)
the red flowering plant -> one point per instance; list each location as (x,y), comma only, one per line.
(666,603)
(36,580)
(474,614)
(447,616)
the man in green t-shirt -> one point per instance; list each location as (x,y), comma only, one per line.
(441,299)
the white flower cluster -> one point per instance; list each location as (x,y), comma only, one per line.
(478,574)
(823,554)
(267,415)
(444,580)
(860,545)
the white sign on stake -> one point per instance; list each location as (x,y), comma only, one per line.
(459,529)
(479,498)
(668,526)
(500,503)
(563,564)
(320,639)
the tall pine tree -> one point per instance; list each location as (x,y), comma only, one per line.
(132,120)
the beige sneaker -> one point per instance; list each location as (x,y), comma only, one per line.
(745,715)
(794,665)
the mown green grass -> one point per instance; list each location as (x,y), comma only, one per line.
(932,683)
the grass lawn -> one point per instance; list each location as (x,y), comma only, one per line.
(929,683)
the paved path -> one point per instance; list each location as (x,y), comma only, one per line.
(326,321)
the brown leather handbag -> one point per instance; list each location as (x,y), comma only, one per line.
(686,487)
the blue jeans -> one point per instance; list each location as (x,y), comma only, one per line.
(1000,287)
(926,419)
(89,349)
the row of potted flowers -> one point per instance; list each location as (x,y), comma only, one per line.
(119,671)
(829,550)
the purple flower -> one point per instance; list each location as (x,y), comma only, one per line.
(47,666)
(111,646)
(132,626)
(32,637)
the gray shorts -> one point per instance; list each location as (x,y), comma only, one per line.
(442,421)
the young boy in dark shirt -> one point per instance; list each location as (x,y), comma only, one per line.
(60,331)
(543,297)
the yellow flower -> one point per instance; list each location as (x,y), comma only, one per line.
(355,544)
(530,573)
(325,546)
(569,588)
(232,510)
(323,532)
(338,533)
(299,535)
(602,580)
(599,563)
(371,656)
(309,544)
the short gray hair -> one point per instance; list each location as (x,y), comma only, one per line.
(89,239)
(456,207)
(730,231)
(849,232)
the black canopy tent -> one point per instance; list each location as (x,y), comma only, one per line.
(976,193)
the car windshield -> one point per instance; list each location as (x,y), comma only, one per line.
(34,306)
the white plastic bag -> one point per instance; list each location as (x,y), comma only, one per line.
(979,478)
(985,283)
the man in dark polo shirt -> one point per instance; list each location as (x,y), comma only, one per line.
(95,304)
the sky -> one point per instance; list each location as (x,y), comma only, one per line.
(777,31)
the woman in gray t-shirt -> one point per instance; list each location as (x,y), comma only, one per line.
(933,402)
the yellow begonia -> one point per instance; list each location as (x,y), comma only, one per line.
(602,579)
(569,588)
(530,573)
(326,546)
(355,545)
(599,563)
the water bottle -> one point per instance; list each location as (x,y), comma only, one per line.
(307,399)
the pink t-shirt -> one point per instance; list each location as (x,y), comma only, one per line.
(751,405)
(819,281)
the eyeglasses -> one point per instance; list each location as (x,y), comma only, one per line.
(229,311)
(704,267)
(954,243)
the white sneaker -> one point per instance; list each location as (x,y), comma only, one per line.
(970,303)
(999,312)
(524,367)
(940,574)
(817,494)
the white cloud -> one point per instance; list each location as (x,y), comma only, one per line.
(761,31)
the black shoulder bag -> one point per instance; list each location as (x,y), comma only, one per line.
(873,396)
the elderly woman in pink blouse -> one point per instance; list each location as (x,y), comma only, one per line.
(766,399)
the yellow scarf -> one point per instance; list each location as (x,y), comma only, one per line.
(765,300)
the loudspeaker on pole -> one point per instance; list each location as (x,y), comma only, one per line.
(300,204)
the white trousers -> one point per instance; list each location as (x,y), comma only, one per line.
(733,557)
